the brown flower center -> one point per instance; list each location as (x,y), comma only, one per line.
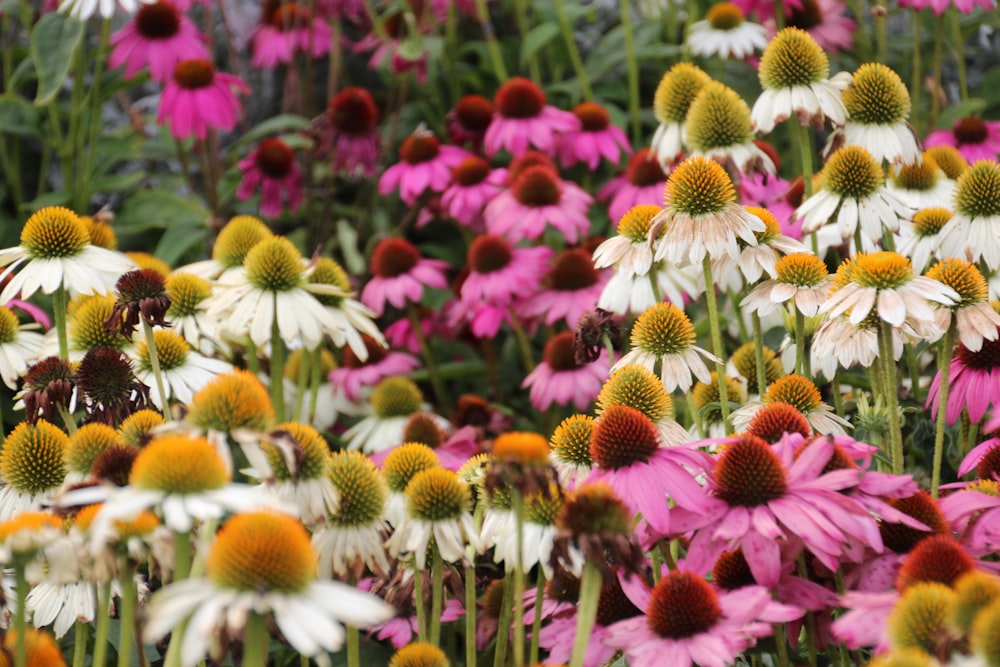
(194,73)
(573,270)
(593,117)
(537,186)
(474,112)
(159,20)
(682,605)
(519,98)
(420,147)
(353,111)
(644,169)
(393,257)
(275,158)
(558,353)
(471,171)
(970,130)
(621,437)
(749,473)
(901,539)
(489,253)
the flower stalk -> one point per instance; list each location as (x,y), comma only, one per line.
(717,349)
(945,351)
(586,613)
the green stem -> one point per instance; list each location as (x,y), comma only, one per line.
(936,70)
(21,616)
(437,596)
(574,53)
(126,616)
(805,147)
(277,364)
(717,349)
(251,359)
(536,622)
(154,364)
(916,65)
(517,501)
(418,603)
(695,415)
(779,14)
(353,646)
(440,393)
(315,379)
(521,16)
(586,612)
(892,400)
(256,641)
(60,304)
(692,12)
(470,617)
(182,555)
(503,627)
(82,198)
(305,357)
(880,16)
(758,339)
(956,32)
(81,632)
(496,58)
(947,346)
(103,624)
(523,344)
(781,644)
(632,70)
(800,342)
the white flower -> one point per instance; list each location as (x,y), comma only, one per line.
(18,346)
(84,9)
(738,42)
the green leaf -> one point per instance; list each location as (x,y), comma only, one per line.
(57,198)
(119,182)
(347,240)
(158,209)
(178,240)
(17,116)
(970,107)
(276,125)
(536,38)
(54,40)
(9,6)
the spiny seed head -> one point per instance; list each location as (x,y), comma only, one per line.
(54,232)
(594,509)
(881,270)
(489,253)
(542,506)
(745,360)
(904,657)
(87,443)
(421,146)
(801,269)
(852,173)
(637,222)
(33,457)
(396,397)
(231,401)
(422,427)
(9,326)
(86,328)
(362,489)
(171,351)
(237,238)
(676,91)
(724,16)
(404,462)
(100,233)
(437,494)
(793,58)
(731,571)
(699,186)
(936,558)
(328,272)
(393,256)
(636,387)
(560,352)
(705,394)
(749,473)
(921,506)
(920,618)
(187,291)
(662,330)
(877,96)
(989,465)
(977,192)
(136,428)
(682,605)
(114,465)
(985,635)
(177,464)
(522,448)
(930,221)
(310,450)
(419,654)
(262,552)
(571,440)
(718,118)
(772,228)
(623,436)
(974,591)
(920,176)
(963,277)
(796,390)
(145,260)
(274,265)
(775,419)
(949,159)
(519,97)
(573,270)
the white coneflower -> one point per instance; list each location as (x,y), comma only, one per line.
(391,404)
(32,467)
(18,346)
(972,232)
(974,317)
(725,32)
(922,184)
(755,261)
(920,240)
(801,278)
(718,127)
(570,450)
(399,467)
(188,314)
(184,371)
(235,240)
(674,95)
(801,393)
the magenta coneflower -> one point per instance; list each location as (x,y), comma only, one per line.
(642,183)
(285,29)
(272,166)
(353,375)
(597,137)
(974,378)
(158,36)
(975,138)
(523,119)
(468,120)
(500,275)
(688,622)
(537,198)
(939,6)
(353,138)
(424,165)
(400,274)
(474,184)
(559,379)
(198,99)
(826,20)
(573,286)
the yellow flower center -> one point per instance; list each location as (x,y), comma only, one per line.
(521,448)
(881,270)
(186,292)
(877,96)
(929,221)
(977,193)
(171,350)
(9,326)
(745,360)
(419,654)
(921,176)
(262,552)
(542,508)
(718,118)
(985,636)
(135,428)
(571,440)
(676,91)
(86,329)
(231,401)
(793,58)
(699,186)
(706,395)
(404,462)
(951,161)
(311,453)
(100,233)
(144,260)
(177,464)
(396,397)
(963,277)
(974,592)
(594,509)
(87,443)
(920,618)
(29,523)
(54,232)
(237,238)
(852,173)
(362,489)
(32,459)
(797,391)
(801,269)
(636,387)
(635,224)
(274,265)
(329,272)
(724,16)
(663,330)
(437,495)
(771,224)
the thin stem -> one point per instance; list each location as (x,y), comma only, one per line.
(126,616)
(154,364)
(536,622)
(503,626)
(781,644)
(956,33)
(335,60)
(440,393)
(936,70)
(805,148)
(277,363)
(182,555)
(880,15)
(758,339)
(800,342)
(315,378)
(253,363)
(418,603)
(892,400)
(517,501)
(256,641)
(353,646)
(586,612)
(496,58)
(437,596)
(60,303)
(947,347)
(492,367)
(81,632)
(103,624)
(301,381)
(523,344)
(574,53)
(521,16)
(916,80)
(470,618)
(89,156)
(632,70)
(717,349)
(21,616)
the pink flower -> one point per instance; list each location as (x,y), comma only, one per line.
(468,120)
(975,139)
(272,166)
(768,191)
(400,275)
(595,139)
(158,37)
(424,165)
(765,8)
(400,59)
(573,287)
(977,516)
(712,630)
(984,458)
(353,375)
(523,119)
(345,9)
(825,20)
(500,276)
(974,378)
(559,379)
(474,185)
(643,182)
(939,6)
(401,629)
(285,30)
(350,132)
(198,99)
(538,197)
(36,313)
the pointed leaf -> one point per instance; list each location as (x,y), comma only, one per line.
(54,40)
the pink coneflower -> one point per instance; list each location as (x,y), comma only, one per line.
(349,132)
(468,120)
(765,8)
(474,185)
(523,119)
(559,379)
(642,183)
(424,165)
(287,28)
(688,622)
(198,99)
(596,138)
(401,629)
(499,276)
(158,36)
(538,198)
(401,336)
(629,457)
(573,287)
(975,138)
(790,501)
(400,274)
(773,193)
(826,20)
(401,60)
(976,511)
(974,378)
(939,6)
(344,9)
(272,166)
(353,374)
